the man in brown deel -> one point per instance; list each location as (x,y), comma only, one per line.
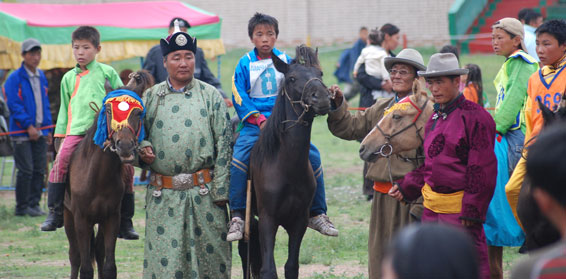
(387,214)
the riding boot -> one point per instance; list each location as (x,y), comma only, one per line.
(127,213)
(55,196)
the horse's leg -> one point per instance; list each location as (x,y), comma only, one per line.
(84,233)
(99,252)
(74,256)
(267,232)
(296,231)
(110,229)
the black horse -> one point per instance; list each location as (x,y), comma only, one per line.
(282,177)
(539,231)
(95,190)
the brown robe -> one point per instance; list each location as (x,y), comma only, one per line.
(387,214)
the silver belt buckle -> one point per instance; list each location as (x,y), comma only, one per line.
(157,180)
(182,181)
(203,190)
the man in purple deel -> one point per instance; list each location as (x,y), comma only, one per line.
(458,177)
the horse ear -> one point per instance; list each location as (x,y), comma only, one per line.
(418,89)
(281,66)
(547,114)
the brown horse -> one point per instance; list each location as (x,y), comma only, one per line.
(96,187)
(401,128)
(282,177)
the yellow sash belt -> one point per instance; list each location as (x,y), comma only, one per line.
(442,203)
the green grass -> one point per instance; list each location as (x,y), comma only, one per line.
(25,252)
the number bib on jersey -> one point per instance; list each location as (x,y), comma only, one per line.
(264,78)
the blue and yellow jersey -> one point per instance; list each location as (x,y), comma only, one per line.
(255,84)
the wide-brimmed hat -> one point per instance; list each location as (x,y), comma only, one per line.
(513,26)
(443,64)
(407,56)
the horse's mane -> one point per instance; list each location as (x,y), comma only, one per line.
(269,139)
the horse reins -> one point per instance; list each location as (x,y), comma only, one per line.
(386,150)
(303,105)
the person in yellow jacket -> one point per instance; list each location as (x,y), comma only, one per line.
(548,86)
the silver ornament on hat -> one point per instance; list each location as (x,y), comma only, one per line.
(181,40)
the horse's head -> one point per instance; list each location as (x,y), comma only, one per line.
(400,129)
(124,118)
(120,123)
(303,81)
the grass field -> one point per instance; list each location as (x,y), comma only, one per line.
(25,252)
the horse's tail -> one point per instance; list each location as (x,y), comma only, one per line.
(254,253)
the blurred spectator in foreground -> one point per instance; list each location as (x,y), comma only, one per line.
(431,251)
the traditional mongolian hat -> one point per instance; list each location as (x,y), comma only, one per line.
(178,41)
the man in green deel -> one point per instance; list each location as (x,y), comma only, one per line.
(187,127)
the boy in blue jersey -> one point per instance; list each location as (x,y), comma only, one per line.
(255,87)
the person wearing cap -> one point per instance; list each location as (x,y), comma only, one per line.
(387,215)
(154,63)
(458,176)
(187,149)
(26,96)
(511,85)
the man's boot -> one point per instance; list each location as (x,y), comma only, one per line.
(126,214)
(55,196)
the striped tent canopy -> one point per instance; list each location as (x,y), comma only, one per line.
(127,29)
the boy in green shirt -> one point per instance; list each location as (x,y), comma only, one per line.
(79,86)
(511,84)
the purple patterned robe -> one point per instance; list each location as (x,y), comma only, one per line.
(459,156)
(459,150)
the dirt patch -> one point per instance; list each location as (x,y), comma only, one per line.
(347,269)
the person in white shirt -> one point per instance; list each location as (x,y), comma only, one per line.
(373,56)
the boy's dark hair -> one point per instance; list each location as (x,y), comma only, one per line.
(474,77)
(546,166)
(522,13)
(376,37)
(260,18)
(86,33)
(432,250)
(555,28)
(363,28)
(182,23)
(389,29)
(531,15)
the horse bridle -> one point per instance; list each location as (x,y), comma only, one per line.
(111,132)
(300,101)
(387,145)
(386,149)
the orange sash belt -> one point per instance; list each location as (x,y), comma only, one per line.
(382,187)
